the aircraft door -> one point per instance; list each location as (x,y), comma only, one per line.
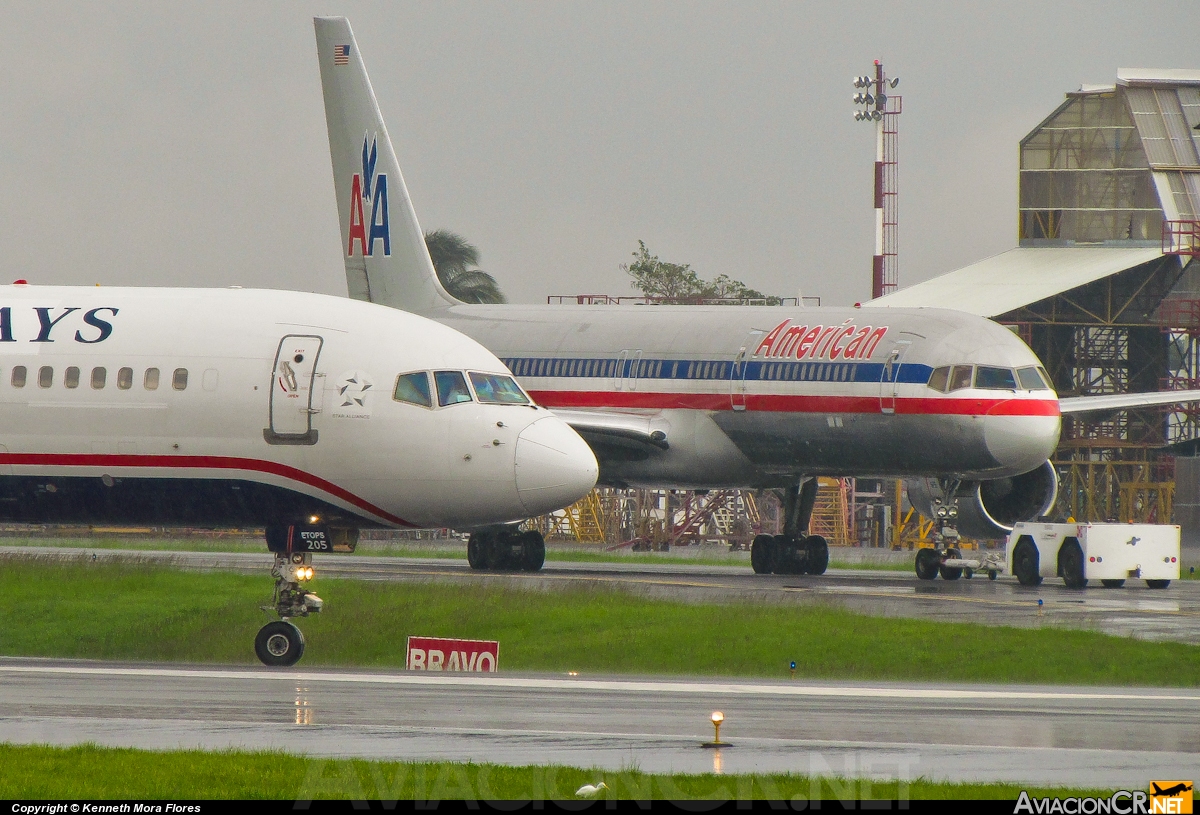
(741,364)
(619,374)
(627,370)
(635,367)
(292,390)
(889,379)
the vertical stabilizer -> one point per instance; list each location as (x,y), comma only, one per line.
(382,242)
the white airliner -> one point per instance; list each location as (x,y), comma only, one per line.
(731,397)
(309,415)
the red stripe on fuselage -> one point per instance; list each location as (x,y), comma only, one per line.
(197,463)
(781,403)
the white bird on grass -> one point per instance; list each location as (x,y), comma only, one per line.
(589,791)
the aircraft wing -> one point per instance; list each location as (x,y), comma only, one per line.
(1119,401)
(630,431)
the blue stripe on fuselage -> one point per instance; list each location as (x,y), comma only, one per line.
(700,370)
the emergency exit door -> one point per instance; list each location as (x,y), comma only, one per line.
(292,401)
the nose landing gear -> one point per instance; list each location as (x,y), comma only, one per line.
(280,643)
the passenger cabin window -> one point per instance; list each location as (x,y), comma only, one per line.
(451,388)
(125,378)
(940,378)
(71,377)
(995,379)
(45,377)
(1031,380)
(414,389)
(150,380)
(179,379)
(497,390)
(99,378)
(960,377)
(18,376)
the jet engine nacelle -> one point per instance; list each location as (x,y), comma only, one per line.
(989,509)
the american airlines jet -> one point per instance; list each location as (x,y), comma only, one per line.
(695,397)
(309,415)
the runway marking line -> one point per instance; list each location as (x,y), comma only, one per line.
(640,686)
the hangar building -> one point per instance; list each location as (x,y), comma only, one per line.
(1104,285)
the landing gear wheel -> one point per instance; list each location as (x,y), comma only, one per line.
(1112,584)
(1158,584)
(787,555)
(533,551)
(951,572)
(762,554)
(818,555)
(279,644)
(1070,565)
(476,551)
(1026,564)
(927,564)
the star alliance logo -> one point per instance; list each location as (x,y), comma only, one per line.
(354,389)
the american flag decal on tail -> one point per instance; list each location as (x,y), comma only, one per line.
(341,55)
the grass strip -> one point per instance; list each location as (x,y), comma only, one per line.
(126,610)
(91,772)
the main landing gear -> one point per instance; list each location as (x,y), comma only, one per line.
(506,548)
(793,552)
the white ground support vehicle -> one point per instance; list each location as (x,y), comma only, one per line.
(1110,553)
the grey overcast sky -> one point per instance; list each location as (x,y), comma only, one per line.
(184,144)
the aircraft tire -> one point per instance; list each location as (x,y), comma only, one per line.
(1070,565)
(785,556)
(817,549)
(1025,564)
(279,644)
(948,572)
(533,551)
(927,564)
(1112,584)
(475,551)
(1158,584)
(762,555)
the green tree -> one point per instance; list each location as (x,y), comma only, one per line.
(654,278)
(675,281)
(453,257)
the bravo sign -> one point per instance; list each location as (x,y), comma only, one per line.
(437,654)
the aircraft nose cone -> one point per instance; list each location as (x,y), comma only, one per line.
(1020,443)
(555,467)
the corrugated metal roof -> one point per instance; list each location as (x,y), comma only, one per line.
(1017,278)
(1157,76)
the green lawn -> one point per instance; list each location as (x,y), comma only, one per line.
(90,772)
(127,610)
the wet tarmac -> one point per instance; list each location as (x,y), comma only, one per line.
(1101,737)
(1171,614)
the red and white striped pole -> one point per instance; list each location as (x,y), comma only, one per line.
(877,261)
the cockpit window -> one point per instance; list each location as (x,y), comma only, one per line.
(414,389)
(996,379)
(497,389)
(960,377)
(1031,379)
(451,387)
(940,378)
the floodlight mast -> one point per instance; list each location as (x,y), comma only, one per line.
(882,109)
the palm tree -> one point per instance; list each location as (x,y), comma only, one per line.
(452,255)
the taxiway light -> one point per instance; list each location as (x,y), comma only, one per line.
(717,717)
